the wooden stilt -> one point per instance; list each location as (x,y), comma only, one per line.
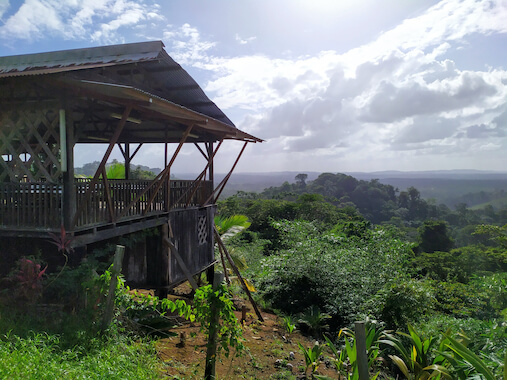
(117,264)
(223,264)
(236,271)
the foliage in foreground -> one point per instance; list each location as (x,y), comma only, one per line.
(40,356)
(229,334)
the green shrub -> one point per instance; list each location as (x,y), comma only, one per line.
(493,289)
(404,301)
(461,300)
(335,274)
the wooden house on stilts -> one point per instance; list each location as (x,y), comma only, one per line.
(126,96)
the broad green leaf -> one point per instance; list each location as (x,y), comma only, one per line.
(439,369)
(401,365)
(415,339)
(395,343)
(351,352)
(332,347)
(470,357)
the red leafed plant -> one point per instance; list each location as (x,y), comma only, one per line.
(29,279)
(62,241)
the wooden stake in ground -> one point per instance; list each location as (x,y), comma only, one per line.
(115,272)
(211,351)
(362,356)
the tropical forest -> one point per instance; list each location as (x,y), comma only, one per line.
(333,264)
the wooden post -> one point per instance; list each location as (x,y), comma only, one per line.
(69,192)
(214,326)
(108,313)
(127,160)
(362,356)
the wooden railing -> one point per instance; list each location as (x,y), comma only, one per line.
(39,205)
(123,194)
(36,204)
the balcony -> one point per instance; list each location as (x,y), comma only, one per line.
(37,206)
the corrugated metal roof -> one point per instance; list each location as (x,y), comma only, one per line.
(151,55)
(75,59)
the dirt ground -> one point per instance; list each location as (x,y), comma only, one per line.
(268,354)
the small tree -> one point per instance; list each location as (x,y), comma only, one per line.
(301,179)
(434,236)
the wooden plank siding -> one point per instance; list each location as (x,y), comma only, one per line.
(37,205)
(193,238)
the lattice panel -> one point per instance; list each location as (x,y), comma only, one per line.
(202,230)
(29,145)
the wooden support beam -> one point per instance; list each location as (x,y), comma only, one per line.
(222,184)
(69,186)
(222,254)
(202,152)
(102,165)
(167,169)
(238,274)
(214,327)
(230,172)
(211,176)
(115,272)
(200,177)
(123,151)
(159,177)
(135,151)
(361,351)
(107,191)
(127,158)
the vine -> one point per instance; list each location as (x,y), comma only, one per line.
(230,333)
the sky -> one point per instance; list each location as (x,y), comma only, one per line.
(330,85)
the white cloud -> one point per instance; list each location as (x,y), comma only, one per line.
(185,46)
(122,14)
(97,20)
(244,41)
(399,96)
(32,19)
(399,92)
(4,5)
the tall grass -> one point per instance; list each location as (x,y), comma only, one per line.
(73,352)
(40,357)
